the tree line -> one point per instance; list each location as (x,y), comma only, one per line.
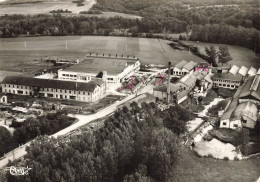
(137,144)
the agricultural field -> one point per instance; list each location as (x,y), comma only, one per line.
(44,7)
(241,56)
(23,53)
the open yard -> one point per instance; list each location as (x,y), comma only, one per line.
(241,56)
(15,53)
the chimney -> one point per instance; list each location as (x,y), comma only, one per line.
(168,83)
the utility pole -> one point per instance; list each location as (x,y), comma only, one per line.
(168,83)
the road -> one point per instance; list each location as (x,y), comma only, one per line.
(82,120)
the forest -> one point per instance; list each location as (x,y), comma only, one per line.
(135,144)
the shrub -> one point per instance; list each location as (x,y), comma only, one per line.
(226,158)
(210,156)
(236,158)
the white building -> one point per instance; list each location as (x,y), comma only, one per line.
(227,80)
(57,89)
(112,69)
(177,69)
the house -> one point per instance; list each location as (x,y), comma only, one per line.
(227,80)
(247,114)
(258,72)
(112,69)
(251,90)
(177,69)
(58,89)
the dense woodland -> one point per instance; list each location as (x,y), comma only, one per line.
(137,144)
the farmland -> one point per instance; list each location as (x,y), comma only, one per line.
(44,7)
(17,54)
(241,56)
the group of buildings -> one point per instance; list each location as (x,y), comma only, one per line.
(190,75)
(242,110)
(86,81)
(194,79)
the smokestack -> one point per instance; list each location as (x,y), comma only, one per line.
(168,83)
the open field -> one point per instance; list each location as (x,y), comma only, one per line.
(44,7)
(241,56)
(193,168)
(15,53)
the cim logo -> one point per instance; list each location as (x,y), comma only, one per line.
(18,171)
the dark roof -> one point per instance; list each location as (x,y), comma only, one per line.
(56,84)
(251,88)
(98,64)
(227,76)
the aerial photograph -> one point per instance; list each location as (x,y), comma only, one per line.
(129,91)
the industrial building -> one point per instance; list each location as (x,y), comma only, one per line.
(112,69)
(68,90)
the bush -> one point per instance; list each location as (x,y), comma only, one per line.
(210,156)
(226,158)
(236,158)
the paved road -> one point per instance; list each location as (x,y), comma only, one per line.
(83,119)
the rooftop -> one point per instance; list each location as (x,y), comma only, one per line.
(181,64)
(189,66)
(96,64)
(234,70)
(248,107)
(56,84)
(252,88)
(252,71)
(227,76)
(243,71)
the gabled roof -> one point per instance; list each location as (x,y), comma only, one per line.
(251,88)
(258,72)
(247,108)
(181,64)
(227,76)
(252,71)
(56,84)
(189,66)
(234,70)
(243,71)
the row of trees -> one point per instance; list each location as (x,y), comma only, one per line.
(140,144)
(227,34)
(223,54)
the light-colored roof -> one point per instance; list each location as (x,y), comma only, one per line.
(258,72)
(251,88)
(252,71)
(181,64)
(97,64)
(247,108)
(234,70)
(208,78)
(189,66)
(243,71)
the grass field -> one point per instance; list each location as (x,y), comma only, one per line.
(16,53)
(241,56)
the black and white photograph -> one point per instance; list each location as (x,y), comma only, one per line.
(129,91)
